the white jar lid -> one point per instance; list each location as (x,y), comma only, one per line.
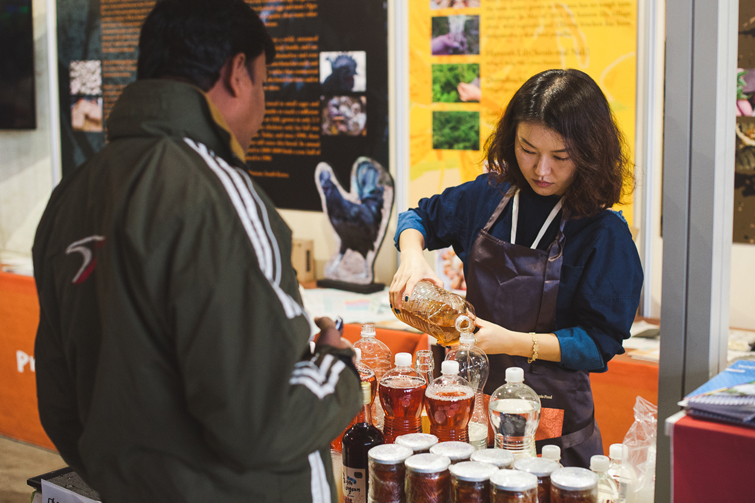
(417,441)
(498,457)
(456,451)
(427,463)
(389,454)
(473,471)
(513,480)
(574,479)
(542,467)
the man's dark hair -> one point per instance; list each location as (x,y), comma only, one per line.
(570,103)
(191,40)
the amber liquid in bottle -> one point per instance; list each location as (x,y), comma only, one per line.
(337,444)
(357,441)
(402,399)
(449,412)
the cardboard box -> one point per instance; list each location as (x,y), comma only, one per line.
(303,259)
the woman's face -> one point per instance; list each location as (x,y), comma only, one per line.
(543,159)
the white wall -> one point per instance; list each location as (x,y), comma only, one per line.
(26,168)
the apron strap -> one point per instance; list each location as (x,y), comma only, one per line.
(570,439)
(499,209)
(543,229)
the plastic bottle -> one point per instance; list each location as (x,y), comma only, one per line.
(357,441)
(608,490)
(377,356)
(553,452)
(475,368)
(515,413)
(366,375)
(623,474)
(402,394)
(437,312)
(449,401)
(424,364)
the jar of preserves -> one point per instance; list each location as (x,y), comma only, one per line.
(470,482)
(455,451)
(427,479)
(542,468)
(387,473)
(513,486)
(574,485)
(498,457)
(420,443)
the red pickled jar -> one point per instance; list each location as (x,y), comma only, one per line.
(513,486)
(387,473)
(542,468)
(470,482)
(427,479)
(574,485)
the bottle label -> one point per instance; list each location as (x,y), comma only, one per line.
(354,485)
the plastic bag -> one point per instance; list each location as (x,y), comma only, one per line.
(640,444)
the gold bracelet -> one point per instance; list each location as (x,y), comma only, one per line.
(535,348)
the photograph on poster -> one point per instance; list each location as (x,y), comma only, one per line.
(343,72)
(744,182)
(86,77)
(86,114)
(455,35)
(456,130)
(456,83)
(344,116)
(454,4)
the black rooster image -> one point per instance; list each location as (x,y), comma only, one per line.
(341,80)
(358,217)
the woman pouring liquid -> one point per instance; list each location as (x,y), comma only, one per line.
(551,270)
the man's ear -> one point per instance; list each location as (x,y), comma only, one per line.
(235,74)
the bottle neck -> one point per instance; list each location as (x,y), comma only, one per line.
(366,414)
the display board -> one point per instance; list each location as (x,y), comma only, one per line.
(326,98)
(743,227)
(468,57)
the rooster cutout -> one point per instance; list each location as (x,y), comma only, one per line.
(359,218)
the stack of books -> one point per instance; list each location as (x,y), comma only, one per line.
(729,397)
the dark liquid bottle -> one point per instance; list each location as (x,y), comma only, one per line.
(357,441)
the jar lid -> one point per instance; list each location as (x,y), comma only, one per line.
(513,480)
(542,467)
(427,463)
(498,457)
(574,479)
(417,441)
(473,471)
(389,454)
(456,451)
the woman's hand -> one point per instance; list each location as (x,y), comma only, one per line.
(413,268)
(492,338)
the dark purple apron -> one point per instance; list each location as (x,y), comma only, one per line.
(516,287)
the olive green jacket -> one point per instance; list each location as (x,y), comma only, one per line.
(169,354)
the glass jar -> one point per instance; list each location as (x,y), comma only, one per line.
(470,482)
(427,479)
(455,451)
(513,486)
(542,468)
(574,485)
(387,473)
(420,443)
(498,457)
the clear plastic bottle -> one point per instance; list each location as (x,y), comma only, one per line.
(475,368)
(402,394)
(608,489)
(514,414)
(623,474)
(449,401)
(377,356)
(424,364)
(437,312)
(365,375)
(553,452)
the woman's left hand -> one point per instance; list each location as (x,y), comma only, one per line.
(492,338)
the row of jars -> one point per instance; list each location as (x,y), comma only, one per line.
(451,472)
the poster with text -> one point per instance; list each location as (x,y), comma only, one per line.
(467,58)
(326,97)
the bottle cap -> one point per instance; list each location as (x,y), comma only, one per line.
(514,375)
(417,441)
(599,463)
(616,451)
(403,360)
(389,454)
(472,471)
(427,463)
(366,393)
(358,352)
(368,329)
(541,467)
(513,480)
(574,479)
(456,451)
(498,457)
(449,367)
(552,452)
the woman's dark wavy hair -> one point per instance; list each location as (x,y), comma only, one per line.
(191,40)
(570,103)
